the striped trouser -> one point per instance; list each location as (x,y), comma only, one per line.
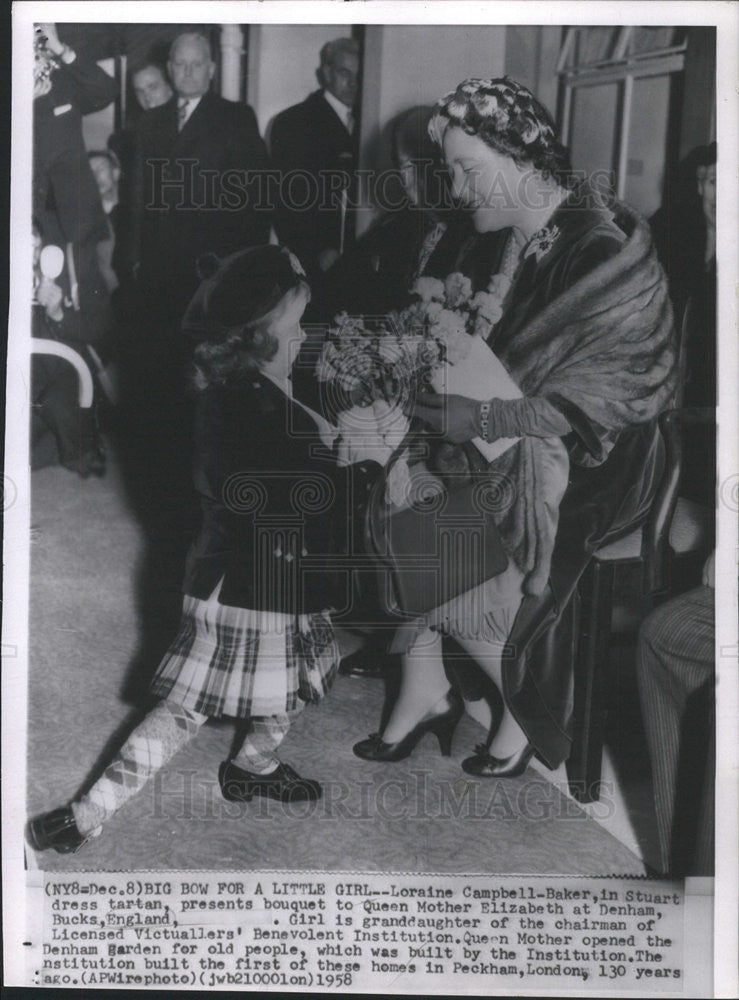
(675,672)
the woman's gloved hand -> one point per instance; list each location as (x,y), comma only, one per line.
(454,417)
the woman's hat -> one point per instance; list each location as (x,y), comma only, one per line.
(497,105)
(239,289)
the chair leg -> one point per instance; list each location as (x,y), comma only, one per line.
(584,764)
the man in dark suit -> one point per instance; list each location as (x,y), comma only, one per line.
(313,150)
(66,201)
(199,166)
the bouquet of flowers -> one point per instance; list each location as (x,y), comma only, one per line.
(448,309)
(377,366)
(390,357)
(371,368)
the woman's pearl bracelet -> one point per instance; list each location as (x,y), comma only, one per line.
(484,417)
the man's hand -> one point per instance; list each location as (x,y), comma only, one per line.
(709,571)
(453,416)
(53,44)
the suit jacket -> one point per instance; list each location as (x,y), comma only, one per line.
(274,504)
(311,138)
(195,191)
(66,200)
(62,179)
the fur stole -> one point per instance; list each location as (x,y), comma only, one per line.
(603,352)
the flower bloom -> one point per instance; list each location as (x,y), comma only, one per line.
(499,285)
(485,104)
(390,349)
(457,109)
(482,327)
(457,289)
(450,330)
(487,306)
(429,288)
(326,369)
(429,353)
(529,131)
(448,323)
(437,126)
(349,326)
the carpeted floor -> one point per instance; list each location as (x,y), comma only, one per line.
(93,642)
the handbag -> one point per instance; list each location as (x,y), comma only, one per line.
(443,543)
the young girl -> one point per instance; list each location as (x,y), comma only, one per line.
(255,639)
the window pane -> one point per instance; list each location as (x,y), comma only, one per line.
(593,133)
(647,148)
(652,39)
(594,45)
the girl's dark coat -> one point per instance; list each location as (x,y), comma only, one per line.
(274,505)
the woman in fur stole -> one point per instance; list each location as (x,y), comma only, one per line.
(586,333)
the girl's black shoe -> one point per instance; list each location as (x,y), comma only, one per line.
(441,723)
(55,829)
(283,784)
(483,765)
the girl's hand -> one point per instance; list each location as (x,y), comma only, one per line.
(454,417)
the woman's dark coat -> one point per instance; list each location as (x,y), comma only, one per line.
(602,501)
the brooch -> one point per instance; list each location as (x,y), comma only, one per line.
(542,242)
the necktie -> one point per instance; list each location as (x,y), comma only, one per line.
(350,122)
(182,108)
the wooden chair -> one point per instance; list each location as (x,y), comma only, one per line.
(675,528)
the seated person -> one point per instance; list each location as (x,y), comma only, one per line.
(61,432)
(114,253)
(685,236)
(425,235)
(675,669)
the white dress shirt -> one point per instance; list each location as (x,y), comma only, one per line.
(185,108)
(345,114)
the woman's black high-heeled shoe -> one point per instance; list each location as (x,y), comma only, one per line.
(441,723)
(483,765)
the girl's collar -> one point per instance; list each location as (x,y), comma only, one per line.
(283,382)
